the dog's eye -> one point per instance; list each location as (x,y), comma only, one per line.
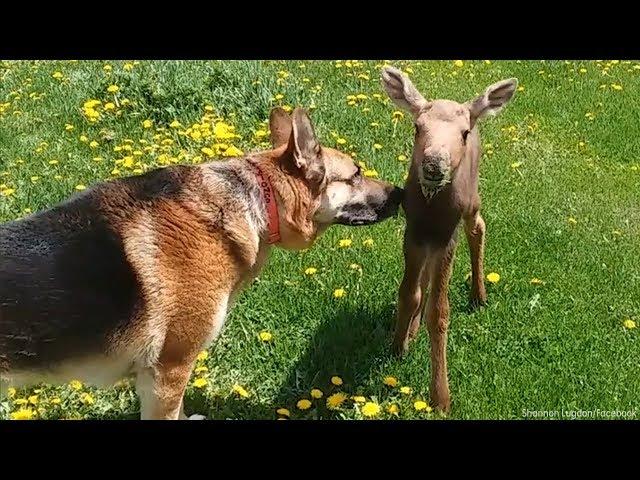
(464,135)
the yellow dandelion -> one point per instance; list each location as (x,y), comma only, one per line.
(377,146)
(406,390)
(201,369)
(616,86)
(311,271)
(515,165)
(628,323)
(572,220)
(57,75)
(75,384)
(56,401)
(368,242)
(370,409)
(113,88)
(33,399)
(147,124)
(341,141)
(390,381)
(303,404)
(68,127)
(402,158)
(359,399)
(316,393)
(493,277)
(266,336)
(22,414)
(240,391)
(284,412)
(393,409)
(339,293)
(345,243)
(420,405)
(336,400)
(371,173)
(336,380)
(458,63)
(175,124)
(202,356)
(536,281)
(200,382)
(94,144)
(87,399)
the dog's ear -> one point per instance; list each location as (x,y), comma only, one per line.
(280,127)
(402,91)
(307,152)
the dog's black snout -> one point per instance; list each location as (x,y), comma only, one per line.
(396,195)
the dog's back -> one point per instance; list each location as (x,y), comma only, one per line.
(65,282)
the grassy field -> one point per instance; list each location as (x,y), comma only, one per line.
(560,182)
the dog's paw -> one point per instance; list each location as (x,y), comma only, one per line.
(195,416)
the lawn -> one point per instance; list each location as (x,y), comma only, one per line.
(560,182)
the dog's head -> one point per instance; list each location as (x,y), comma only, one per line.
(328,187)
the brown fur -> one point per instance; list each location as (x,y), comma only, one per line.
(441,189)
(192,238)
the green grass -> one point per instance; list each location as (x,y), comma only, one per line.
(561,345)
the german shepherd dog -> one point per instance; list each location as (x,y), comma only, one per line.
(135,276)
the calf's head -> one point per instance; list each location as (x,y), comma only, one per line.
(442,126)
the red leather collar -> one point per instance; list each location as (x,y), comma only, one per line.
(270,203)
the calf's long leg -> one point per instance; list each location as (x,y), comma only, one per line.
(474,228)
(437,317)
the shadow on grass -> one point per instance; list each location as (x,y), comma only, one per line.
(350,344)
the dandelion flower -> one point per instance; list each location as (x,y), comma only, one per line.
(284,412)
(316,393)
(175,124)
(458,63)
(368,242)
(303,404)
(341,141)
(87,399)
(200,382)
(202,356)
(337,381)
(201,369)
(390,381)
(68,127)
(405,390)
(147,124)
(56,401)
(336,400)
(113,88)
(493,277)
(370,409)
(345,243)
(339,293)
(266,336)
(393,409)
(240,391)
(33,399)
(572,220)
(420,405)
(57,75)
(515,165)
(402,158)
(22,414)
(616,86)
(628,323)
(359,399)
(75,384)
(377,146)
(536,281)
(80,187)
(310,271)
(370,173)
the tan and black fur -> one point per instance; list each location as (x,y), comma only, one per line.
(442,186)
(135,276)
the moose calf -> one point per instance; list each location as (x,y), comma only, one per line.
(441,189)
